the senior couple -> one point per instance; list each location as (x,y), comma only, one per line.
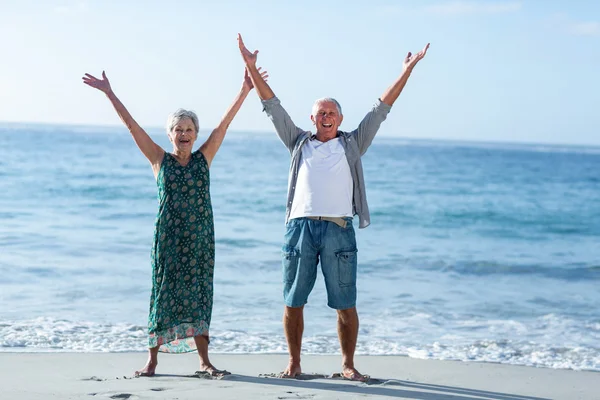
(326,190)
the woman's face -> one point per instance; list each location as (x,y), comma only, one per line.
(183,134)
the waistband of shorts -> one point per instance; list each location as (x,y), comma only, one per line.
(340,221)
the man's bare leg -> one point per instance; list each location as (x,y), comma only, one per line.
(205,364)
(347,325)
(293,325)
(151,364)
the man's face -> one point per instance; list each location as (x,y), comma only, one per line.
(327,119)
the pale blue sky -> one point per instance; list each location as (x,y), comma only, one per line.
(523,71)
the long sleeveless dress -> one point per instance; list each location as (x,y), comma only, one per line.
(183,256)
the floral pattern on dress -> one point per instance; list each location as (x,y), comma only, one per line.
(183,256)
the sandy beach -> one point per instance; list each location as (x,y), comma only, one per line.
(110,376)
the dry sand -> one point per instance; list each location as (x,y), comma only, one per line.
(109,376)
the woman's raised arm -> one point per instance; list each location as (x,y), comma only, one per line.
(212,144)
(153,152)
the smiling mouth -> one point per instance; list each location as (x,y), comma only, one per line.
(184,140)
(326,125)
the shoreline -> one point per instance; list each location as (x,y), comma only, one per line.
(42,351)
(110,375)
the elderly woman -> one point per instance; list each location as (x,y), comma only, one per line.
(183,251)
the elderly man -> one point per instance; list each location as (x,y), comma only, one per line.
(326,189)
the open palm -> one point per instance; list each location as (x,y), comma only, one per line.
(412,59)
(247,55)
(101,84)
(248,81)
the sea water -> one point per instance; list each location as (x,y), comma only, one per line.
(476,251)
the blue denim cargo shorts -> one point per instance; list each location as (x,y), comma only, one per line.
(309,242)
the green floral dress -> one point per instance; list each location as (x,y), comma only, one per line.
(183,256)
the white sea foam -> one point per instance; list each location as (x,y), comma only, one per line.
(45,334)
(48,335)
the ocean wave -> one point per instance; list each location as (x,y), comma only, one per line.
(505,223)
(488,268)
(573,271)
(49,335)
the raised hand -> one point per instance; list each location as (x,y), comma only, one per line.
(412,59)
(248,81)
(101,84)
(249,57)
(391,93)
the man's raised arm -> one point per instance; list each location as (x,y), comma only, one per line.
(287,131)
(262,88)
(392,93)
(370,124)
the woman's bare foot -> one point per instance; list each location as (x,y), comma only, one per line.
(292,371)
(151,364)
(148,369)
(353,375)
(206,366)
(212,371)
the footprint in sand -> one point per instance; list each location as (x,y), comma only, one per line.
(208,375)
(301,377)
(93,378)
(296,396)
(121,396)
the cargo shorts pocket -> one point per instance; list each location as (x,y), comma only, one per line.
(347,267)
(290,258)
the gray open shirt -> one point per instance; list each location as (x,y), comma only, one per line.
(355,144)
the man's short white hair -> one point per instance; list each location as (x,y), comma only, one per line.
(322,100)
(180,114)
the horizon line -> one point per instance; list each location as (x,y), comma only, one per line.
(262,132)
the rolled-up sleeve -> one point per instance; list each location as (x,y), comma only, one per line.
(370,125)
(287,131)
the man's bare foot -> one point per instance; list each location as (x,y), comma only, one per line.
(212,371)
(148,369)
(353,375)
(292,371)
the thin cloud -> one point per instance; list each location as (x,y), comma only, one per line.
(473,7)
(453,8)
(563,23)
(72,9)
(585,28)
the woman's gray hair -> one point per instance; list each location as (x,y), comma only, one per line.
(315,107)
(180,114)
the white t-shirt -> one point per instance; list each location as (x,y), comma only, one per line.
(324,185)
